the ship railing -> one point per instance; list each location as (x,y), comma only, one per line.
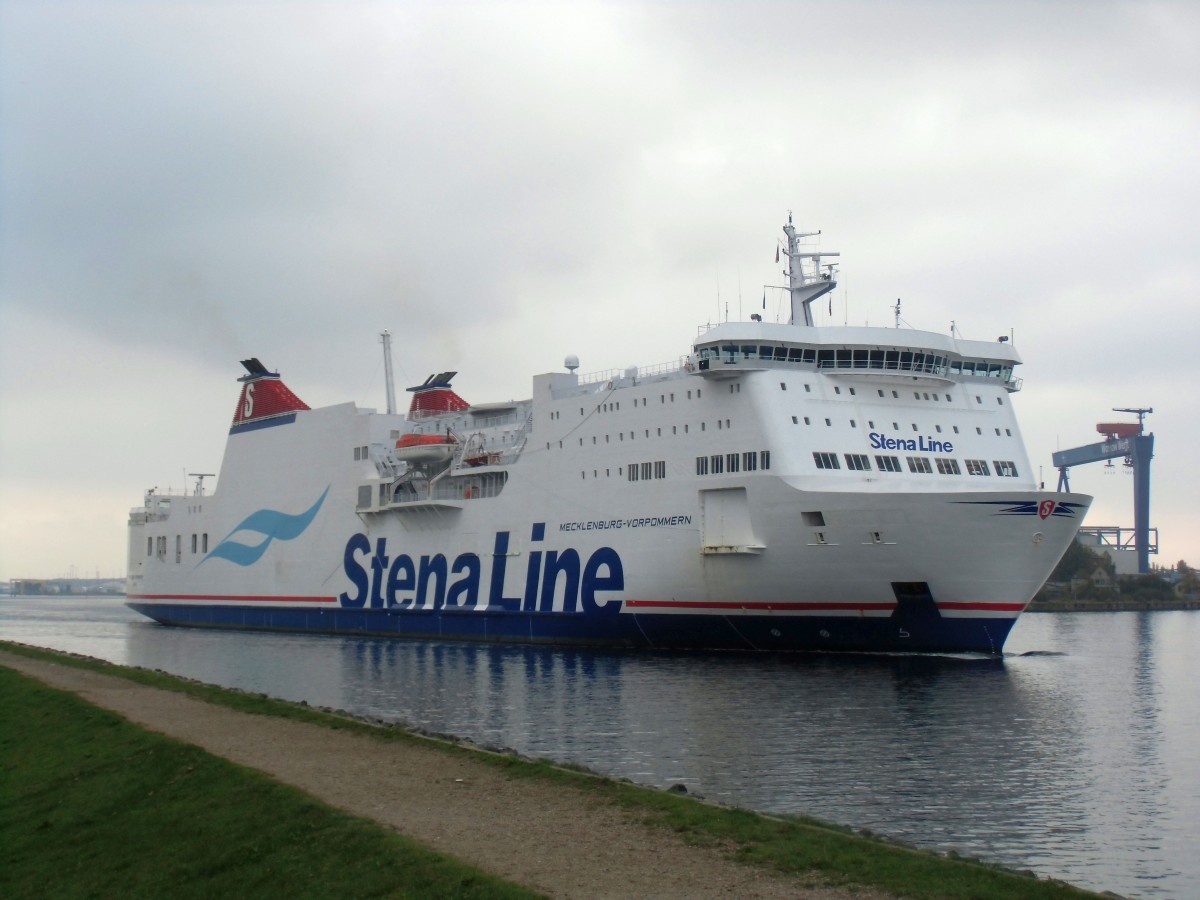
(520,438)
(494,421)
(447,487)
(140,516)
(385,463)
(615,376)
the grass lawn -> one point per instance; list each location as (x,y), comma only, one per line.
(91,806)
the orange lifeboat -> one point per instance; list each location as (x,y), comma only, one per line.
(426,448)
(1119,429)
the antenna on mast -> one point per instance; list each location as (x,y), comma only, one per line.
(804,285)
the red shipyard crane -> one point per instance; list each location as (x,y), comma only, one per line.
(1128,440)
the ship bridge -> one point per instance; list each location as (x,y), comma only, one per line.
(731,349)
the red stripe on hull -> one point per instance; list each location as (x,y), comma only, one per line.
(990,607)
(785,607)
(232,598)
(806,607)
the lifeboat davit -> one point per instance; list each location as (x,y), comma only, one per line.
(426,448)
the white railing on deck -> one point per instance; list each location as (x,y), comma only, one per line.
(616,375)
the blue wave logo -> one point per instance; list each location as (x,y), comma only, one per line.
(269,523)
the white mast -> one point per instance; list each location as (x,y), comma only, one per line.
(805,286)
(385,338)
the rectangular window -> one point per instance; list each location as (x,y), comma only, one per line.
(701,465)
(887,463)
(731,460)
(920,465)
(764,459)
(204,543)
(858,462)
(647,468)
(1005,468)
(633,471)
(149,546)
(977,467)
(660,469)
(718,464)
(193,543)
(749,461)
(948,466)
(826,460)
(178,548)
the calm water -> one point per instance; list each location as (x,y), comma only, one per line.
(1076,757)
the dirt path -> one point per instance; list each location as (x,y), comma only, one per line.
(551,838)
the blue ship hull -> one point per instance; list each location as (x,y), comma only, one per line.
(931,633)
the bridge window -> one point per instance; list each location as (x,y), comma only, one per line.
(920,465)
(948,466)
(701,465)
(977,467)
(1005,468)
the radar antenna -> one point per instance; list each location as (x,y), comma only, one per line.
(200,476)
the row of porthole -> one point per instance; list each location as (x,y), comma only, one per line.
(896,426)
(198,541)
(917,395)
(920,465)
(615,406)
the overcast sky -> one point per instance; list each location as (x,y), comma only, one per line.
(183,184)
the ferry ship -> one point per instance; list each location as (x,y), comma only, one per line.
(781,487)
